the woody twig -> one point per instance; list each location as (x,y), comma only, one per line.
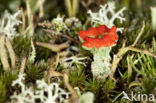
(53,47)
(62,35)
(24,59)
(53,73)
(122,51)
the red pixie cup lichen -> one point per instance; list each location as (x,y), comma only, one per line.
(99,37)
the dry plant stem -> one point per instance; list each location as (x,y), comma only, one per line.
(124,49)
(101,2)
(11,53)
(75,7)
(30,28)
(52,73)
(53,40)
(62,35)
(72,7)
(69,7)
(70,38)
(47,24)
(139,35)
(23,21)
(23,65)
(64,53)
(139,3)
(41,12)
(86,5)
(53,47)
(86,23)
(29,13)
(129,68)
(3,54)
(74,98)
(122,52)
(141,51)
(117,59)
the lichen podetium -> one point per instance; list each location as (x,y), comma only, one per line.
(100,48)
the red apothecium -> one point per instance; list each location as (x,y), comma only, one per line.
(99,37)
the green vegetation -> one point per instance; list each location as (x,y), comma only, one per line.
(136,71)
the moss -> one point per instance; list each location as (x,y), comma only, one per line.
(143,67)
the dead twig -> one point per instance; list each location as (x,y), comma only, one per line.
(46,24)
(74,98)
(118,57)
(72,7)
(139,35)
(129,68)
(52,73)
(30,28)
(62,35)
(23,20)
(86,5)
(23,65)
(41,9)
(53,47)
(141,51)
(124,49)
